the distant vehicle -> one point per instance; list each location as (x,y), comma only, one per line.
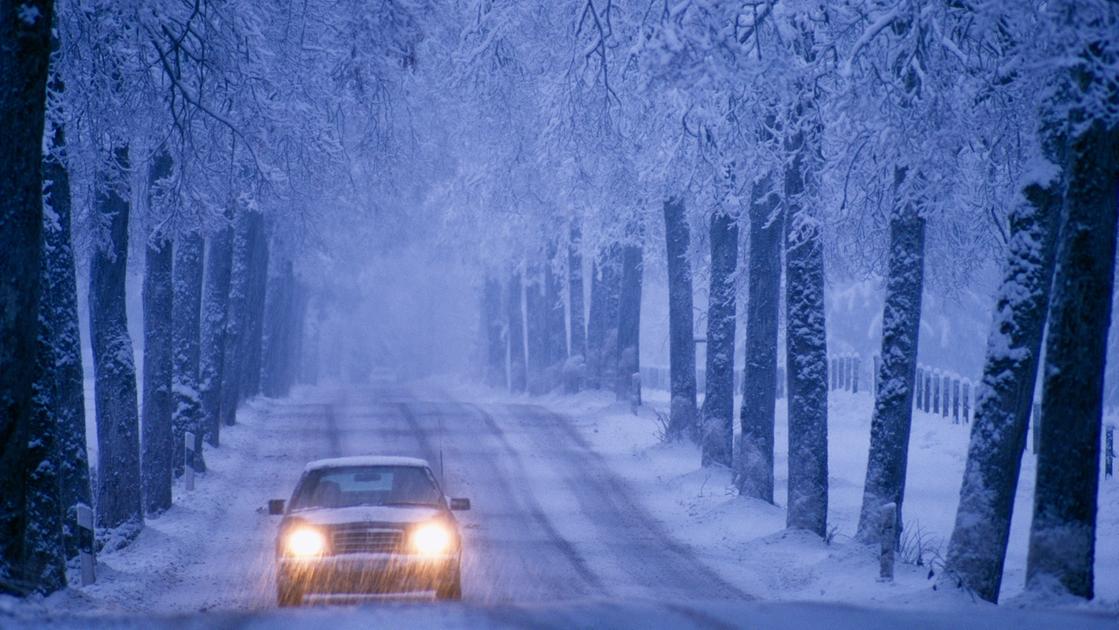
(370,524)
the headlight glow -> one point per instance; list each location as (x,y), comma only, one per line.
(306,542)
(432,539)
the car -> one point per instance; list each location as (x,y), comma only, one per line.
(368,525)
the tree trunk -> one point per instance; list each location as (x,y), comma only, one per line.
(61,285)
(215,304)
(186,334)
(1004,398)
(44,559)
(277,341)
(555,324)
(759,374)
(297,312)
(514,317)
(602,327)
(158,449)
(495,332)
(628,358)
(681,344)
(536,327)
(24,55)
(236,312)
(58,351)
(718,402)
(1063,530)
(118,432)
(893,404)
(254,317)
(575,307)
(156,457)
(806,353)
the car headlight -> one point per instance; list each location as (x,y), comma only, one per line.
(305,542)
(432,539)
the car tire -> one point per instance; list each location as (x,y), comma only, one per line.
(288,595)
(450,590)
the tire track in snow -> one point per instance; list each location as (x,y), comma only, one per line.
(652,557)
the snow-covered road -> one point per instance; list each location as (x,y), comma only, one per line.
(555,536)
(550,521)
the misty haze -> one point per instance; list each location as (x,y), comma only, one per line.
(762,314)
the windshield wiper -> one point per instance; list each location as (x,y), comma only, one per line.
(423,503)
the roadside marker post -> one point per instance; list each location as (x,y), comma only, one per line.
(86,551)
(888,515)
(188,457)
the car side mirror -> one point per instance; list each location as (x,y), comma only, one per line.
(276,506)
(460,505)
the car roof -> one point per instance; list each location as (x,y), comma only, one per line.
(366,460)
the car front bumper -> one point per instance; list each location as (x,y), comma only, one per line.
(368,573)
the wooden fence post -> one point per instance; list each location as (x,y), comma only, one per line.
(919,388)
(955,401)
(945,394)
(936,392)
(966,399)
(928,389)
(855,362)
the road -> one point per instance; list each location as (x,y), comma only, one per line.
(549,520)
(554,539)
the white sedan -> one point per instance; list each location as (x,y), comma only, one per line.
(370,524)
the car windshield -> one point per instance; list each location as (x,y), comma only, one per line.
(366,485)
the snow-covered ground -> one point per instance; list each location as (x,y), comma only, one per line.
(746,538)
(582,518)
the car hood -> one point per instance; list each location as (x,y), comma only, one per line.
(402,515)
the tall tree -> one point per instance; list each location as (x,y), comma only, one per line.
(681,340)
(718,402)
(806,350)
(494,332)
(555,319)
(602,322)
(118,430)
(254,318)
(893,403)
(186,336)
(629,319)
(215,305)
(575,300)
(759,373)
(44,560)
(60,284)
(514,317)
(1063,529)
(156,456)
(24,58)
(1005,395)
(536,326)
(244,235)
(279,336)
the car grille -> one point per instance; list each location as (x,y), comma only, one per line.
(366,540)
